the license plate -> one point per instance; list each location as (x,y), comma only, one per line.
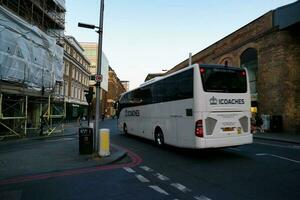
(228,129)
(239,131)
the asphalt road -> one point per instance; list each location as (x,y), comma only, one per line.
(263,170)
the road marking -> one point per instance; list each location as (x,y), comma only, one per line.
(158,189)
(296,146)
(278,145)
(61,139)
(180,187)
(147,169)
(128,169)
(234,149)
(276,156)
(142,179)
(201,198)
(162,177)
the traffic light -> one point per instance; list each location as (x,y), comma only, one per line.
(89,95)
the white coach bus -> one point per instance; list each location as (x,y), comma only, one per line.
(201,106)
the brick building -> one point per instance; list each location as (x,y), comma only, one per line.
(76,79)
(269,47)
(115,89)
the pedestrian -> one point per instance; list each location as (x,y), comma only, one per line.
(259,123)
(253,125)
(80,120)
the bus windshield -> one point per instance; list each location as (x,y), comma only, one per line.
(223,80)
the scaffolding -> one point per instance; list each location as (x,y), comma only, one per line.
(30,67)
(23,115)
(48,15)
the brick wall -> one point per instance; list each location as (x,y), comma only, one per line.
(278,81)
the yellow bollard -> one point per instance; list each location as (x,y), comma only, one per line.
(104,142)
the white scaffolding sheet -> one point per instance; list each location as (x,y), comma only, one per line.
(28,55)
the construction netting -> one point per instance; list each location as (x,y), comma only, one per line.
(61,3)
(27,54)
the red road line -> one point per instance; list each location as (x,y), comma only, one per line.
(135,160)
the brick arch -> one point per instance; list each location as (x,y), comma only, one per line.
(224,58)
(244,48)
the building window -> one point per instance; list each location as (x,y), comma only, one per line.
(249,60)
(75,92)
(73,73)
(66,89)
(68,49)
(66,68)
(72,91)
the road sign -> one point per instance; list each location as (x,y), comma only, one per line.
(98,77)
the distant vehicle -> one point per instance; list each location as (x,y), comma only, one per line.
(206,106)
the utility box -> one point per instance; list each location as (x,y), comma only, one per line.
(276,123)
(85,140)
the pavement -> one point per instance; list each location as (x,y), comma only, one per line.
(279,137)
(54,153)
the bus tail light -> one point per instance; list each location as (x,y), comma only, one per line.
(202,70)
(199,128)
(243,73)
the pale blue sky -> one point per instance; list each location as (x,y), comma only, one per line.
(146,36)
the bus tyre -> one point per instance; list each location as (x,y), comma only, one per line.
(125,131)
(159,138)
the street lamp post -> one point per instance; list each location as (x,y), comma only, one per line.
(99,61)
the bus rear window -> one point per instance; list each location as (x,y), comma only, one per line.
(223,80)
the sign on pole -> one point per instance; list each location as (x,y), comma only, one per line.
(98,77)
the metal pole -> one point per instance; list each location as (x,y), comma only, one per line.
(26,113)
(1,114)
(99,61)
(190,59)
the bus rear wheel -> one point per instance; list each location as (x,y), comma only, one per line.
(159,138)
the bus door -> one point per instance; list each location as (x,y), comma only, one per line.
(167,119)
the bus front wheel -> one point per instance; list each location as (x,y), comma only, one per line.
(159,138)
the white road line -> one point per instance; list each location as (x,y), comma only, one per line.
(180,187)
(234,149)
(162,177)
(61,139)
(147,169)
(296,146)
(158,189)
(128,169)
(276,156)
(142,179)
(201,198)
(277,145)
